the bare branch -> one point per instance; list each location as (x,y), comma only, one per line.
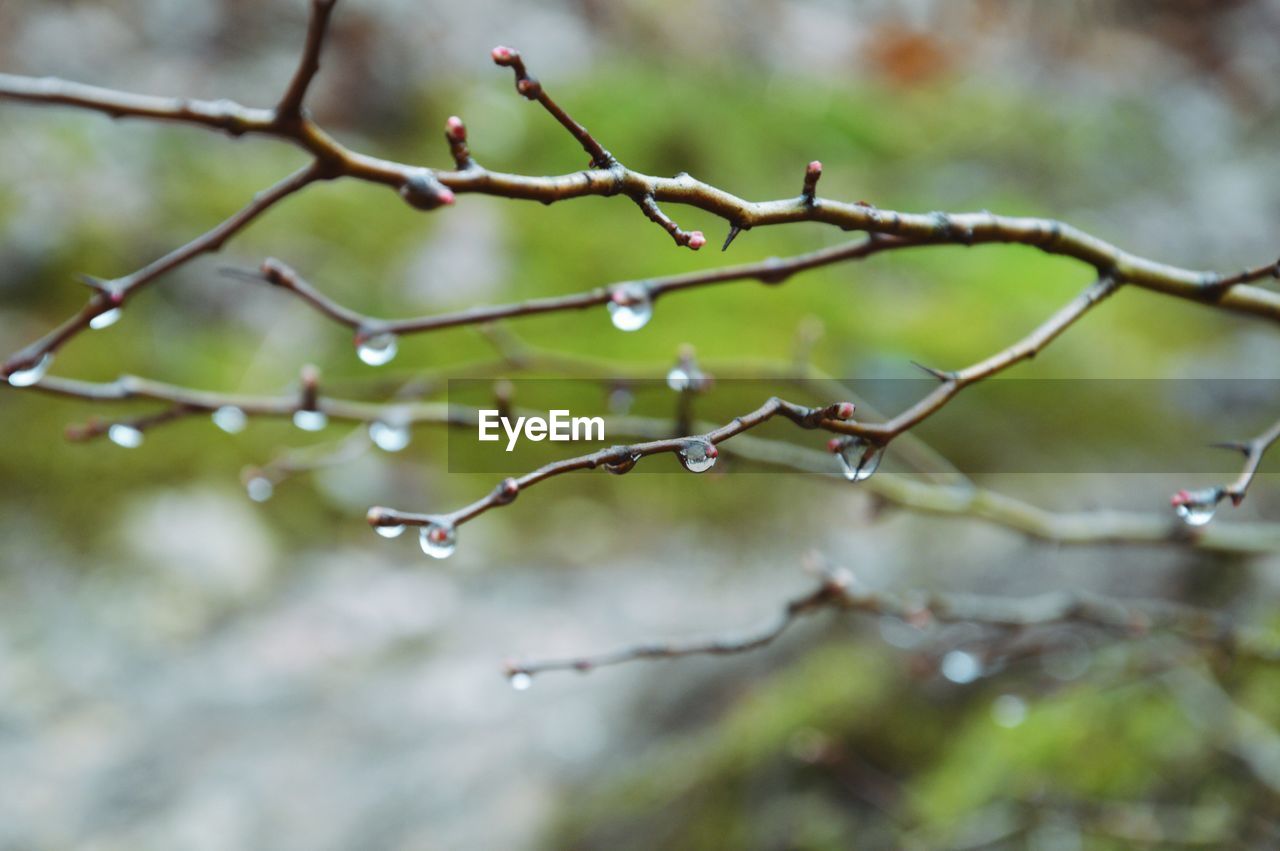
(289,109)
(839,591)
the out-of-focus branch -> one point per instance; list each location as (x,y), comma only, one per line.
(839,591)
(963,500)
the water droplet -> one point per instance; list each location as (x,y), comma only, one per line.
(230,419)
(438,540)
(389,531)
(624,464)
(1008,710)
(860,459)
(106,319)
(961,667)
(1196,508)
(679,379)
(630,307)
(698,456)
(310,420)
(378,349)
(620,400)
(520,681)
(125,435)
(259,488)
(388,437)
(29,376)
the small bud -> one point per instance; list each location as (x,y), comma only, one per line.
(844,411)
(835,444)
(310,376)
(712,452)
(446,196)
(115,296)
(455,129)
(697,240)
(423,191)
(814,169)
(504,55)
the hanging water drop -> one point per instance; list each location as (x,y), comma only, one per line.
(259,488)
(125,435)
(106,319)
(961,667)
(630,307)
(679,379)
(859,459)
(698,456)
(521,680)
(378,349)
(230,419)
(389,531)
(27,377)
(310,420)
(389,437)
(623,463)
(438,539)
(1196,508)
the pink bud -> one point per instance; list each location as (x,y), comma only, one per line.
(697,240)
(712,452)
(845,410)
(503,55)
(445,196)
(814,169)
(510,487)
(1182,497)
(456,130)
(835,444)
(116,296)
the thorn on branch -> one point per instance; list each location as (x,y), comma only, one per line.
(941,375)
(734,230)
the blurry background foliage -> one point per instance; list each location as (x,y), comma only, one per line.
(1149,123)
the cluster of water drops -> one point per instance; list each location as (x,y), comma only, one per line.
(698,455)
(377,349)
(859,458)
(1196,508)
(630,306)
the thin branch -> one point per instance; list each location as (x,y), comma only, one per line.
(1196,507)
(289,109)
(964,500)
(839,591)
(111,295)
(772,271)
(1253,450)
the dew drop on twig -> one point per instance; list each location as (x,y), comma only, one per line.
(106,319)
(259,488)
(389,531)
(698,456)
(859,459)
(310,420)
(520,680)
(230,419)
(379,349)
(1196,508)
(630,307)
(388,437)
(438,540)
(125,435)
(29,376)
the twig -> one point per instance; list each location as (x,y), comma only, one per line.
(839,591)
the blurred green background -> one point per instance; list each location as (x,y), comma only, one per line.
(183,668)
